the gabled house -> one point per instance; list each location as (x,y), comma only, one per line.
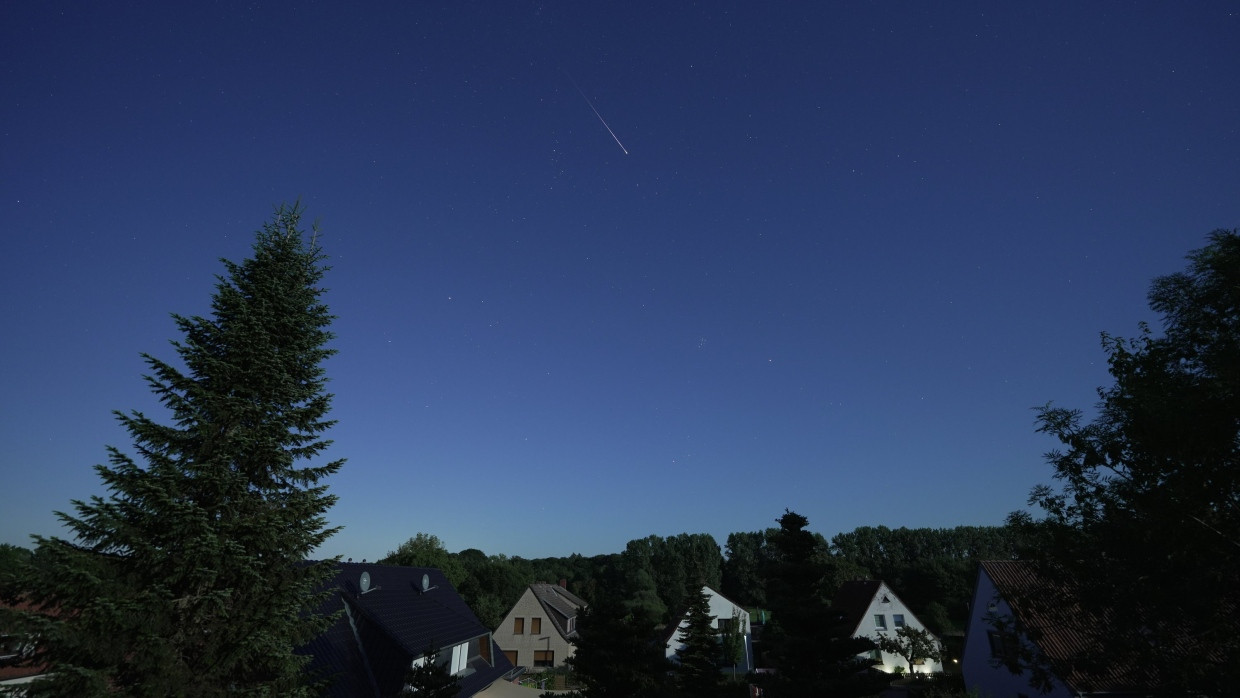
(870,609)
(538,630)
(728,616)
(1027,633)
(389,616)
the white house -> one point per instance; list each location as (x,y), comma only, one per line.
(1011,600)
(870,609)
(725,613)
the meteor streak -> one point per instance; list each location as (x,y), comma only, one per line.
(600,116)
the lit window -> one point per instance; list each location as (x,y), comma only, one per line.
(518,626)
(898,620)
(536,626)
(880,621)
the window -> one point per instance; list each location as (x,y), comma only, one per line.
(460,656)
(518,626)
(511,655)
(880,621)
(544,658)
(898,620)
(876,656)
(1003,648)
(536,626)
(571,625)
(725,625)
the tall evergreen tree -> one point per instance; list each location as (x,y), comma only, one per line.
(697,671)
(809,659)
(616,653)
(188,577)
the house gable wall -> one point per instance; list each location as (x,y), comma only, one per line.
(527,642)
(720,608)
(975,662)
(889,609)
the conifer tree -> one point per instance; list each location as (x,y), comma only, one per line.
(429,678)
(188,577)
(697,673)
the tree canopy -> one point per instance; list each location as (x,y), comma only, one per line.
(188,578)
(1145,518)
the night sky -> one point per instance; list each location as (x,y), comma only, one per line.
(850,246)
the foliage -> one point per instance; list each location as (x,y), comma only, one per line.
(616,653)
(732,641)
(187,578)
(932,569)
(744,578)
(911,644)
(808,659)
(430,678)
(426,550)
(13,559)
(667,568)
(697,658)
(1147,515)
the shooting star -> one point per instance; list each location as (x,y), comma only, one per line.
(600,116)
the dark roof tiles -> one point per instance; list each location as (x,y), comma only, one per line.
(560,603)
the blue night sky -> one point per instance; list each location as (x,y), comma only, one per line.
(849,249)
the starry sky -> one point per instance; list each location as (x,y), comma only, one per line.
(607,270)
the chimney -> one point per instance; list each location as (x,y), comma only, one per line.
(563,583)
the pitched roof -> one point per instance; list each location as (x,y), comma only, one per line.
(378,632)
(852,600)
(560,604)
(1064,631)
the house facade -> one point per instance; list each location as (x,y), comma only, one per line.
(1013,604)
(389,616)
(538,630)
(870,609)
(727,616)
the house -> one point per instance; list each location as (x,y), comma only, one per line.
(537,632)
(388,618)
(727,616)
(1027,633)
(870,609)
(18,664)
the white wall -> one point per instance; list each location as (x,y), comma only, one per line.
(991,681)
(719,608)
(889,609)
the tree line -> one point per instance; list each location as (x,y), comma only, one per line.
(932,569)
(189,576)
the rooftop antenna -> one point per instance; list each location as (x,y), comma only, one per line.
(426,583)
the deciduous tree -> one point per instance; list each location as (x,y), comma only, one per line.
(912,644)
(1146,518)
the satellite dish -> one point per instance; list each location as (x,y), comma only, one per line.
(426,582)
(364,583)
